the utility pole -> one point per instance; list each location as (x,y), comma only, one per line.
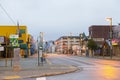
(110,20)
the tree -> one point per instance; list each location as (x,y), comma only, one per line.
(92,45)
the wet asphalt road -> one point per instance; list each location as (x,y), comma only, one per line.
(90,68)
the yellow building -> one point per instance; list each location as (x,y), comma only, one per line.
(24,37)
(8,30)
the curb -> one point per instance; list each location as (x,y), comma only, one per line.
(70,70)
(113,59)
(107,58)
(57,73)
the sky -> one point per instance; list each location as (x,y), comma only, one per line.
(58,18)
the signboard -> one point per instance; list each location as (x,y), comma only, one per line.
(2,39)
(14,36)
(40,53)
(98,39)
(115,42)
(14,40)
(1,48)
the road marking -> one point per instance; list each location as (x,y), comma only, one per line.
(12,77)
(41,78)
(48,61)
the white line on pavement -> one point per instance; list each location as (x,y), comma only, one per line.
(41,78)
(48,61)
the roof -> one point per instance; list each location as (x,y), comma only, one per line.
(101,25)
(68,37)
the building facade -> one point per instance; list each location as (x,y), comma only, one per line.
(116,40)
(99,33)
(23,40)
(66,43)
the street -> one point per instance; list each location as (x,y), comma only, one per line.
(89,68)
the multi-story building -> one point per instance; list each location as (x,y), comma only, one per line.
(116,40)
(99,33)
(65,43)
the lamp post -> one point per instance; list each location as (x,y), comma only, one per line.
(40,45)
(70,42)
(38,50)
(110,35)
(81,44)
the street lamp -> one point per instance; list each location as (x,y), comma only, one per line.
(38,49)
(40,45)
(81,44)
(68,44)
(110,20)
(71,42)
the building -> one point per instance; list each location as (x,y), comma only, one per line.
(66,43)
(116,40)
(99,33)
(24,38)
(50,47)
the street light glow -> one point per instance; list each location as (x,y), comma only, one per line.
(109,19)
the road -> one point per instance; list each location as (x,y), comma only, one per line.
(89,68)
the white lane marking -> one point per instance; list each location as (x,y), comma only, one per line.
(48,61)
(41,78)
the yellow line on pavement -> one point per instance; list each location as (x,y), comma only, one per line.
(11,77)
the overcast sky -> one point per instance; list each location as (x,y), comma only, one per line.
(59,17)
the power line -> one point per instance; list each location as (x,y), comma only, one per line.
(7,14)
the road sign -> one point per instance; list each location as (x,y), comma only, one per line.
(1,48)
(14,40)
(2,39)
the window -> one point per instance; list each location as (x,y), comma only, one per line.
(21,31)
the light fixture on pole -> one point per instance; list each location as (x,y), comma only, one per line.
(40,45)
(110,34)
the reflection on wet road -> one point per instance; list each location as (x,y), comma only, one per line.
(90,68)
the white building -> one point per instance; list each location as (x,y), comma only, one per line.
(65,43)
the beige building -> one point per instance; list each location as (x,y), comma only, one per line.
(65,43)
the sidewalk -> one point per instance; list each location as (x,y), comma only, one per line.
(108,57)
(29,68)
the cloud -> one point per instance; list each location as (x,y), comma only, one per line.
(57,17)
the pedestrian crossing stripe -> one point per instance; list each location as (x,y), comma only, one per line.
(41,78)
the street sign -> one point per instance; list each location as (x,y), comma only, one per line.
(1,48)
(14,40)
(2,39)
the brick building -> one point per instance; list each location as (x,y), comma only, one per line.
(99,33)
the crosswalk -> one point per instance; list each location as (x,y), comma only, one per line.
(105,67)
(41,78)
